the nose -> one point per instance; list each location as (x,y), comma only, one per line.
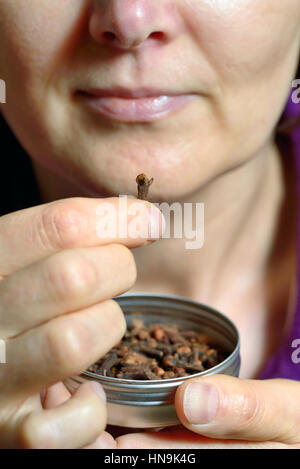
(130,24)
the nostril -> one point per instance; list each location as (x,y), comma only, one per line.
(109,35)
(156,35)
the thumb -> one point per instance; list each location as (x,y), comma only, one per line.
(55,395)
(220,406)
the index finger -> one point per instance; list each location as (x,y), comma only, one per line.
(33,233)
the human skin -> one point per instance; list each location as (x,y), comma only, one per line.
(239,58)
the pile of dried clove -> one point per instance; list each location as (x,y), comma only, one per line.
(159,351)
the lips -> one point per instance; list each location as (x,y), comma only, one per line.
(141,105)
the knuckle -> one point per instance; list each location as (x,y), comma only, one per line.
(69,275)
(70,341)
(61,225)
(252,410)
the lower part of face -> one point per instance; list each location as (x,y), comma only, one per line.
(236,58)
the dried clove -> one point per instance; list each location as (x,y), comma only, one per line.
(159,351)
(108,363)
(143,186)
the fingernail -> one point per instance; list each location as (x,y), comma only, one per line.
(157,223)
(200,403)
(99,390)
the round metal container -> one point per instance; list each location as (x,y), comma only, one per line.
(150,404)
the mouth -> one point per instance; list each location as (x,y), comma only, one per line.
(140,105)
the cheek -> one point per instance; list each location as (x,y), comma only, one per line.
(34,35)
(252,46)
(243,36)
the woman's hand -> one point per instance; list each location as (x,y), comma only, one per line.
(58,274)
(224,412)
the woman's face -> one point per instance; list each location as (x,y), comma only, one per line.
(236,57)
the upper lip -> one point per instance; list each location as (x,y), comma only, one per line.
(122,92)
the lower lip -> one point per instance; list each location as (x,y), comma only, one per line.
(137,110)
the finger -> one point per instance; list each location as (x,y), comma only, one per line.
(13,413)
(66,281)
(74,424)
(55,395)
(104,441)
(170,438)
(62,347)
(37,232)
(221,406)
(183,439)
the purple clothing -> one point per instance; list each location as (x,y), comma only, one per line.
(281,364)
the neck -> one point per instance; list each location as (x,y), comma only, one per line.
(241,209)
(240,219)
